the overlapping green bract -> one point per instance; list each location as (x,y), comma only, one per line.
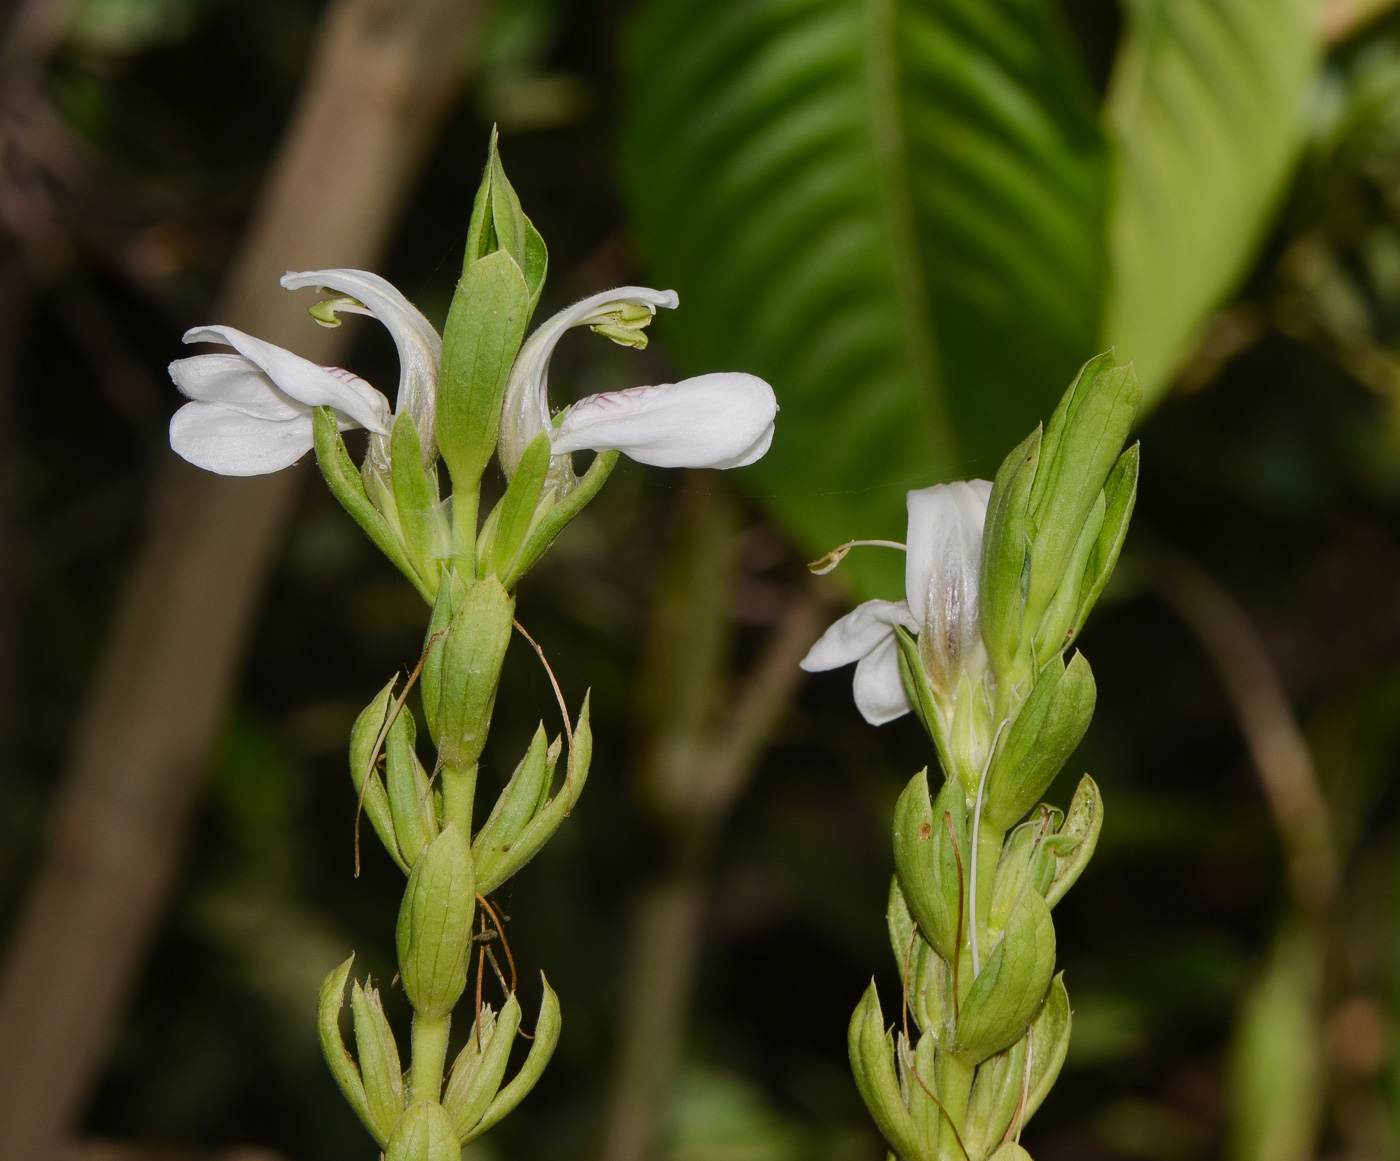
(424,815)
(970,905)
(861,201)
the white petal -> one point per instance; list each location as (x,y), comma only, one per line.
(879,689)
(419,346)
(233,382)
(525,412)
(303,380)
(234,444)
(754,452)
(942,568)
(712,421)
(858,634)
(945,540)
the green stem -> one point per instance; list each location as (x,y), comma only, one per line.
(429,1057)
(987,846)
(976,908)
(465,505)
(458,796)
(955,1091)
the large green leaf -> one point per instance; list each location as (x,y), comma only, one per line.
(1205,111)
(891,209)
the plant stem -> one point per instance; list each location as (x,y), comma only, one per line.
(465,505)
(954,1090)
(976,848)
(429,1056)
(458,792)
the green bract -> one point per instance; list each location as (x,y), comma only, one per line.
(970,906)
(435,924)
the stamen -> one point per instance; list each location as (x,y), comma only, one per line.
(325,312)
(824,564)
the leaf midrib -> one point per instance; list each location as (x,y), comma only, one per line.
(910,284)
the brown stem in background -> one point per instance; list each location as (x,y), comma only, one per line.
(699,762)
(16,309)
(1279,751)
(1339,20)
(382,75)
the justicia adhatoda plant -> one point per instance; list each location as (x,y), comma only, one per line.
(999,580)
(478,392)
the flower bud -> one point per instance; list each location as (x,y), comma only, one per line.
(379,1057)
(411,797)
(1008,991)
(424,1133)
(503,273)
(871,1051)
(510,839)
(364,737)
(498,222)
(547,1025)
(1004,1094)
(435,920)
(1051,723)
(1073,843)
(469,632)
(1081,445)
(1026,864)
(410,498)
(930,981)
(338,1058)
(931,859)
(480,1067)
(1046,491)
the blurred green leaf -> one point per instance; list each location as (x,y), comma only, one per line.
(1138,1128)
(1276,1066)
(1108,1028)
(861,202)
(123,27)
(718,1116)
(1205,112)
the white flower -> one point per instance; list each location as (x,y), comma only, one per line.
(251,411)
(941,573)
(720,420)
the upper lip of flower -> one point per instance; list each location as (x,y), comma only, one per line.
(418,343)
(721,420)
(301,381)
(273,386)
(525,410)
